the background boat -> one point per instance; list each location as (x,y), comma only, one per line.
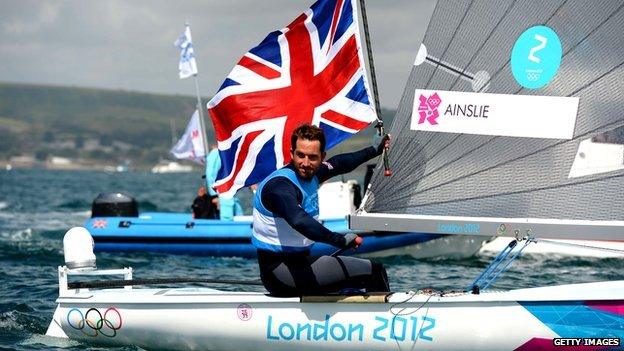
(591,156)
(117,225)
(585,248)
(171,167)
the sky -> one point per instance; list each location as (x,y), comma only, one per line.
(128,45)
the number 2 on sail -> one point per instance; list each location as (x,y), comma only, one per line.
(542,44)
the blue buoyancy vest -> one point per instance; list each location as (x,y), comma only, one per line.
(274,233)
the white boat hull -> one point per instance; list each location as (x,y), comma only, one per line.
(207,319)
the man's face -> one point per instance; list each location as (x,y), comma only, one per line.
(307,157)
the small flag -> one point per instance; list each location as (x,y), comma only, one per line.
(191,144)
(187,65)
(99,223)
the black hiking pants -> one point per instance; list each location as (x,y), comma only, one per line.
(297,274)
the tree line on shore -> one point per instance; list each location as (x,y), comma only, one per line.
(110,126)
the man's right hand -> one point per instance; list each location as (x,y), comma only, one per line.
(352,240)
(380,142)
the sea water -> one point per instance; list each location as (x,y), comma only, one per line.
(38,206)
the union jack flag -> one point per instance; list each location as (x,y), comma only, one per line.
(312,71)
(99,223)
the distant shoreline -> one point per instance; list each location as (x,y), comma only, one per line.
(6,165)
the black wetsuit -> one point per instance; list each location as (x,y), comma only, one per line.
(295,274)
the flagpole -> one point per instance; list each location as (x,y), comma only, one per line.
(371,64)
(202,124)
(188,67)
(369,53)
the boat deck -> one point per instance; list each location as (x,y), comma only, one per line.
(201,295)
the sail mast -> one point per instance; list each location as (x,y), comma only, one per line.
(173,131)
(371,64)
(369,53)
(202,124)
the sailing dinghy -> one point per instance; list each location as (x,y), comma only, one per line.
(513,182)
(107,313)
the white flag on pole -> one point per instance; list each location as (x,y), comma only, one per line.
(191,144)
(187,65)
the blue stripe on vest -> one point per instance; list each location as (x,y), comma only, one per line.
(277,248)
(290,175)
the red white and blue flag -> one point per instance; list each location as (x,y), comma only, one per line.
(312,71)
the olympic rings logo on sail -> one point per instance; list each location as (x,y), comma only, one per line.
(93,323)
(533,76)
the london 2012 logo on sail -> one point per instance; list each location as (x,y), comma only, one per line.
(428,108)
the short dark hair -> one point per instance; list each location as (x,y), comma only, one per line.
(309,132)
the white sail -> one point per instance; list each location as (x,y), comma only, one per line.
(534,177)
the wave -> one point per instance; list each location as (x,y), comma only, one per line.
(43,342)
(39,222)
(35,247)
(19,317)
(86,213)
(3,205)
(147,206)
(74,204)
(19,235)
(8,321)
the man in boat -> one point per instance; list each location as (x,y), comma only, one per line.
(205,206)
(285,224)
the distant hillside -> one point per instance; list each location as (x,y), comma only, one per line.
(32,116)
(110,125)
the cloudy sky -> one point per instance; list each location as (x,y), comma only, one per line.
(129,44)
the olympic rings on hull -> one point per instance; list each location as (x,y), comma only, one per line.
(93,323)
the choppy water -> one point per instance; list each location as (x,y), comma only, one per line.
(38,206)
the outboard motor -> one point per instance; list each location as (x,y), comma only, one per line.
(114,205)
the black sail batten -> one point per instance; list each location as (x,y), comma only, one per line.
(518,179)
